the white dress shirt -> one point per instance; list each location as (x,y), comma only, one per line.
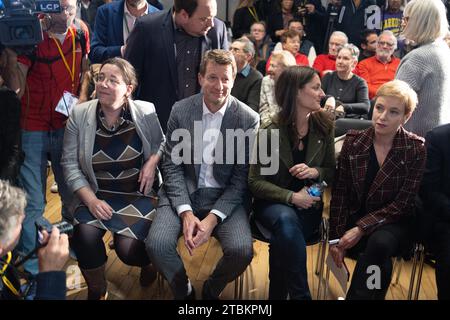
(129,20)
(211,124)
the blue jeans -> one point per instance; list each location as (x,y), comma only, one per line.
(287,252)
(39,147)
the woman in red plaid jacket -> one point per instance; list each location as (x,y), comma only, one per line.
(378,177)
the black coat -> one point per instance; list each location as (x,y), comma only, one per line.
(150,49)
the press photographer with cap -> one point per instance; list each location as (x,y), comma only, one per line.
(51,279)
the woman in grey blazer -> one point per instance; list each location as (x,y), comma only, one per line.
(111,150)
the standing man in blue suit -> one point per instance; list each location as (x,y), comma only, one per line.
(166,49)
(113,24)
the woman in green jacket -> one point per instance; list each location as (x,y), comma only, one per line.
(301,139)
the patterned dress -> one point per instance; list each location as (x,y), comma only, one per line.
(117,159)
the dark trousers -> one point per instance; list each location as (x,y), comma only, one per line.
(291,228)
(441,249)
(373,254)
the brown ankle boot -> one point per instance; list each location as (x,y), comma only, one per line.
(96,282)
(148,275)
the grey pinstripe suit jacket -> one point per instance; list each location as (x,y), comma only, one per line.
(181,180)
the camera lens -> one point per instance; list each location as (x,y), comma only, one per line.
(22,32)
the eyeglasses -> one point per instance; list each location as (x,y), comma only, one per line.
(69,9)
(109,81)
(385,43)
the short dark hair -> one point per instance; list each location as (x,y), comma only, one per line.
(295,20)
(187,5)
(366,33)
(219,56)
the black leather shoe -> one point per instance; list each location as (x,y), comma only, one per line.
(147,276)
(205,293)
(191,296)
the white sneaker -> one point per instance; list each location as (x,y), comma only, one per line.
(54,188)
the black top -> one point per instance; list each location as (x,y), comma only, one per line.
(188,55)
(353,93)
(299,157)
(371,173)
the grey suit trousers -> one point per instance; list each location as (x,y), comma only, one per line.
(233,234)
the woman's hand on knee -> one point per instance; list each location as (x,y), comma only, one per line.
(100,209)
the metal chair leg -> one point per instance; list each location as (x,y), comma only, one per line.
(419,275)
(327,281)
(413,272)
(399,266)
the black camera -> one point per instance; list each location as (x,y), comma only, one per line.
(43,224)
(19,22)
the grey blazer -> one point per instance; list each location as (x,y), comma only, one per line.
(181,179)
(79,140)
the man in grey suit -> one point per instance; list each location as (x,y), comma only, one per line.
(205,180)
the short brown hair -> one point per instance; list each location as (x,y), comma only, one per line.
(187,5)
(127,71)
(219,56)
(290,34)
(401,90)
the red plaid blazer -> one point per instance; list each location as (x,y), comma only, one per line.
(393,190)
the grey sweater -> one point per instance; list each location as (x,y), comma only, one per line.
(427,70)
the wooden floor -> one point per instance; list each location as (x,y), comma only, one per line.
(123,281)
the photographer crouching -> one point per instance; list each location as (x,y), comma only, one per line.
(52,256)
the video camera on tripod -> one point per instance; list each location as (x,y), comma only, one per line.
(19,21)
(333,11)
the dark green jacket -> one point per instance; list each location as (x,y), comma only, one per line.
(274,187)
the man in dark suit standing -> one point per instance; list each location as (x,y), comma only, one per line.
(435,192)
(114,22)
(205,180)
(166,49)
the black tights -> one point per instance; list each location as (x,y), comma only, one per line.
(87,242)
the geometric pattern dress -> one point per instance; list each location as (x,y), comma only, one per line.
(117,159)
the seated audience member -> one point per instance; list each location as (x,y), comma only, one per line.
(435,193)
(325,63)
(282,203)
(113,23)
(111,151)
(349,89)
(306,46)
(243,18)
(204,196)
(369,40)
(51,279)
(381,68)
(378,177)
(267,103)
(392,17)
(290,41)
(263,45)
(247,85)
